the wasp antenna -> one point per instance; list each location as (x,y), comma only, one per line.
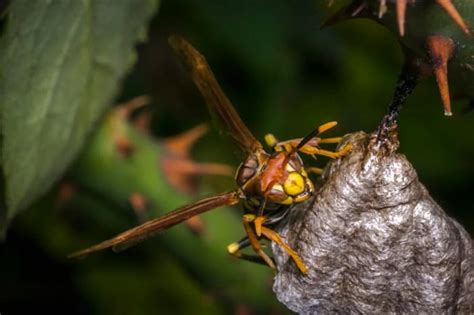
(451,10)
(441,49)
(401,10)
(314,133)
(306,139)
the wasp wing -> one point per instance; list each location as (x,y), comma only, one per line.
(152,227)
(216,100)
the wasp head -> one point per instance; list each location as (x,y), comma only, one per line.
(278,178)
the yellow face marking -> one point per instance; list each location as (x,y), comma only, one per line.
(287,201)
(302,198)
(289,168)
(294,184)
(278,187)
(303,172)
(310,185)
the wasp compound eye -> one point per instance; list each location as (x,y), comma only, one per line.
(247,170)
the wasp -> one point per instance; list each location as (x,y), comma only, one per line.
(268,183)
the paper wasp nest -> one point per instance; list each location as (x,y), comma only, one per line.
(375,242)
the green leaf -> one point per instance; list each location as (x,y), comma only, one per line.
(61,63)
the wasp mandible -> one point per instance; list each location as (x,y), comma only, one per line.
(269,183)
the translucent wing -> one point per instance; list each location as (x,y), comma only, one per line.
(152,227)
(215,98)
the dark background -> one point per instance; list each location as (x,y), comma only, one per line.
(285,76)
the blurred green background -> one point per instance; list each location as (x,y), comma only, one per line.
(285,76)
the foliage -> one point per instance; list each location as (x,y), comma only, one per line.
(62,62)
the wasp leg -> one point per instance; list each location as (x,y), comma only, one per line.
(311,141)
(330,140)
(308,149)
(258,222)
(289,145)
(253,239)
(235,248)
(286,146)
(275,237)
(315,170)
